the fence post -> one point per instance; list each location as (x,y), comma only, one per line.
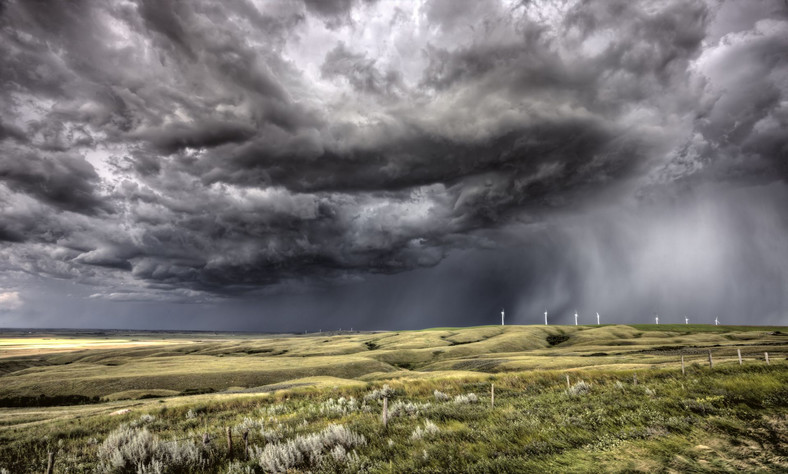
(568,385)
(738,351)
(635,379)
(245,436)
(711,361)
(766,354)
(385,411)
(51,462)
(229,442)
(492,395)
(206,440)
(682,366)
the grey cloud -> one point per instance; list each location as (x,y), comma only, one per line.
(360,72)
(737,134)
(334,13)
(214,149)
(62,180)
(11,132)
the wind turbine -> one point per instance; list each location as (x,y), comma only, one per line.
(686,320)
(656,317)
(716,321)
(502,316)
(575,317)
(545,317)
(597,319)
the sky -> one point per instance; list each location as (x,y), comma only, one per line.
(324,164)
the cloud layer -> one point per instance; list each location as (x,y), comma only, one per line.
(198,151)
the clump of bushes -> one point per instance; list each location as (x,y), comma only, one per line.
(237,467)
(379,394)
(580,388)
(555,339)
(258,426)
(276,409)
(131,449)
(440,396)
(143,420)
(341,406)
(401,408)
(429,429)
(466,398)
(306,451)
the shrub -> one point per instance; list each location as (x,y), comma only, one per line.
(258,426)
(306,450)
(130,449)
(401,408)
(467,398)
(237,467)
(250,424)
(341,406)
(144,420)
(440,396)
(429,429)
(276,409)
(580,388)
(379,394)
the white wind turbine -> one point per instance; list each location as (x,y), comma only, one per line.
(716,321)
(502,316)
(597,319)
(575,317)
(656,317)
(686,320)
(545,317)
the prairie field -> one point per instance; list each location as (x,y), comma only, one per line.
(608,398)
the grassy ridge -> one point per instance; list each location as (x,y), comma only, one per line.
(218,364)
(290,388)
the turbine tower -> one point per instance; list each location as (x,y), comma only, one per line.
(656,317)
(716,321)
(501,316)
(597,319)
(575,317)
(545,317)
(686,320)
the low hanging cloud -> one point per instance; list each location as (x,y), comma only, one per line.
(189,151)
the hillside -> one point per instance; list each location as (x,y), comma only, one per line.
(628,406)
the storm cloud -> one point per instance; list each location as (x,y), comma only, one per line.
(320,158)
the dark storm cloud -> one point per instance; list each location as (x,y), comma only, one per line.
(62,180)
(188,150)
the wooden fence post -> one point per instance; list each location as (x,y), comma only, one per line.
(229,442)
(635,379)
(245,436)
(711,361)
(682,366)
(568,385)
(738,351)
(492,395)
(51,462)
(766,354)
(385,411)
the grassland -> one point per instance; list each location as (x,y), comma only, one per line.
(73,393)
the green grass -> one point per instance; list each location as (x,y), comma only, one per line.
(695,328)
(723,419)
